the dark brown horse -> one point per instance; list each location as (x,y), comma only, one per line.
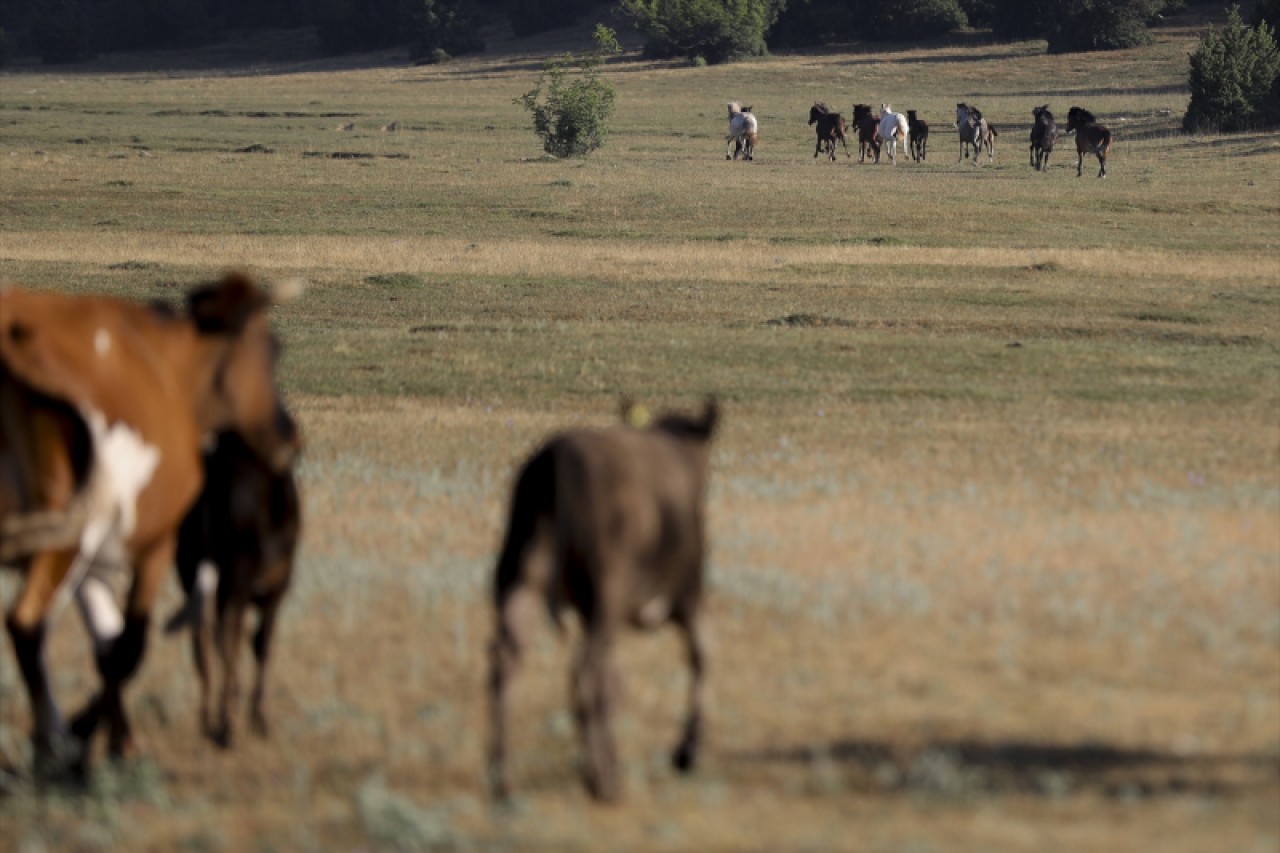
(1044,133)
(238,542)
(919,136)
(609,523)
(830,127)
(1090,137)
(102,407)
(867,124)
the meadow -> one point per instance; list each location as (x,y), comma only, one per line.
(995,515)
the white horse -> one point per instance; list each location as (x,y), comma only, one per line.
(893,129)
(742,133)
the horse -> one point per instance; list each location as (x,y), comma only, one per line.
(742,133)
(1044,133)
(830,127)
(608,522)
(919,136)
(103,403)
(868,127)
(1090,137)
(238,543)
(975,131)
(893,129)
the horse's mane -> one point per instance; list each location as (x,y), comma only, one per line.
(820,107)
(734,108)
(1084,115)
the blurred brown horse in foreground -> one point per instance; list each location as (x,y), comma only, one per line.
(608,522)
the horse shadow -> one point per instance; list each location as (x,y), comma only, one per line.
(967,766)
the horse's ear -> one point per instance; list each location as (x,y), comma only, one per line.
(226,306)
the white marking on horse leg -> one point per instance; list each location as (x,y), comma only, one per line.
(100,612)
(655,612)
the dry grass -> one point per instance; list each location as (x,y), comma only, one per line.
(995,516)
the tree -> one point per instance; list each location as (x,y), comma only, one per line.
(713,30)
(1084,25)
(444,28)
(1234,77)
(572,115)
(914,19)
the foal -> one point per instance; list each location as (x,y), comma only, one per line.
(610,523)
(239,539)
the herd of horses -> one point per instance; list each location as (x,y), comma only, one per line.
(890,129)
(136,438)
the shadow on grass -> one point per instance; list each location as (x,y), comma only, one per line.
(963,767)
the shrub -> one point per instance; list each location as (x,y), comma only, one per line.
(1233,78)
(572,115)
(717,30)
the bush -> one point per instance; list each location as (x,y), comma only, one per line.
(572,116)
(717,30)
(1234,78)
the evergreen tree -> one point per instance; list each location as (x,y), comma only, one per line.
(1234,78)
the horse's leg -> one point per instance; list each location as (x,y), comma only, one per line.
(690,623)
(200,579)
(1102,162)
(120,662)
(262,655)
(230,628)
(1079,162)
(26,625)
(594,688)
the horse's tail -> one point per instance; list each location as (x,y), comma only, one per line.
(1104,142)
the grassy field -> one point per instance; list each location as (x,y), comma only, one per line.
(995,513)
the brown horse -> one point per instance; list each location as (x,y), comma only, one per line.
(102,407)
(830,127)
(1090,137)
(238,541)
(1044,133)
(868,127)
(608,522)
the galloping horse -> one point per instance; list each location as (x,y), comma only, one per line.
(919,136)
(975,131)
(1044,133)
(893,129)
(1090,136)
(868,127)
(742,133)
(830,127)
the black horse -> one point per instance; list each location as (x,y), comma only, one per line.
(830,127)
(919,134)
(1044,133)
